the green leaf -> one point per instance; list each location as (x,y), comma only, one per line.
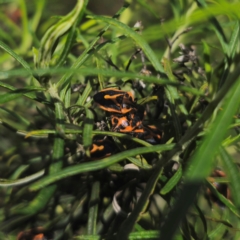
(16,56)
(224,200)
(144,235)
(56,31)
(207,63)
(96,165)
(140,163)
(233,174)
(234,41)
(65,80)
(136,37)
(44,195)
(28,95)
(81,101)
(200,164)
(28,179)
(87,130)
(95,72)
(172,182)
(6,97)
(93,209)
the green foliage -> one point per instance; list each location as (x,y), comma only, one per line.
(184,187)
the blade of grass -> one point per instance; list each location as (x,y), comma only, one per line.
(96,165)
(18,93)
(128,224)
(87,130)
(85,94)
(172,182)
(43,197)
(16,56)
(28,179)
(136,37)
(105,72)
(56,31)
(179,147)
(233,175)
(224,200)
(93,209)
(70,38)
(65,80)
(201,162)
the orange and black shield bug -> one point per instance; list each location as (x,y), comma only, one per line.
(128,122)
(114,100)
(119,122)
(101,149)
(136,116)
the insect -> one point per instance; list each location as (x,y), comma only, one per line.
(136,116)
(116,101)
(129,122)
(126,117)
(119,123)
(102,148)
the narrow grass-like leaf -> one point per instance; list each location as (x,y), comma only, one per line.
(139,163)
(87,130)
(147,6)
(207,63)
(45,194)
(233,175)
(105,72)
(144,235)
(87,237)
(71,34)
(37,14)
(172,182)
(6,97)
(18,182)
(14,176)
(26,34)
(93,209)
(234,41)
(57,30)
(127,226)
(216,26)
(67,46)
(65,80)
(231,141)
(172,96)
(173,91)
(20,119)
(203,219)
(76,130)
(28,95)
(97,165)
(224,200)
(85,94)
(136,37)
(217,232)
(201,162)
(67,99)
(16,56)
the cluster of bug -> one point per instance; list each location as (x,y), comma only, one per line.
(126,116)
